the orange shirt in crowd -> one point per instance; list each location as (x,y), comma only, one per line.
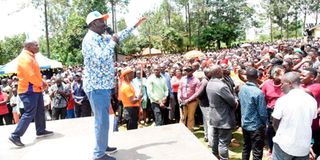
(28,73)
(127,91)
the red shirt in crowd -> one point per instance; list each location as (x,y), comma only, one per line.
(3,107)
(315,90)
(271,92)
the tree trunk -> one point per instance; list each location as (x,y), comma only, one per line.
(271,29)
(189,24)
(218,44)
(169,13)
(304,21)
(296,23)
(287,26)
(46,27)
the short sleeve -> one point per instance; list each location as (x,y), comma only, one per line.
(278,109)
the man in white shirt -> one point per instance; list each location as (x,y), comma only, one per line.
(292,118)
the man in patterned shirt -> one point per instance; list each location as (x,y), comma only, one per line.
(98,51)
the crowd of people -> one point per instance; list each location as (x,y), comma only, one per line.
(270,90)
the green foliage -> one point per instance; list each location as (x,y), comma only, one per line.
(10,47)
(172,41)
(226,24)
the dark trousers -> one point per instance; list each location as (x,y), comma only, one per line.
(158,114)
(221,141)
(176,108)
(10,114)
(59,113)
(33,109)
(253,140)
(83,110)
(6,118)
(270,131)
(316,145)
(131,115)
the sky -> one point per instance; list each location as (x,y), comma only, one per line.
(30,21)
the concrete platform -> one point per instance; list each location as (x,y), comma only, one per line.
(74,140)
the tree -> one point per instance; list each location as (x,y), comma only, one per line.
(10,47)
(114,4)
(227,22)
(67,27)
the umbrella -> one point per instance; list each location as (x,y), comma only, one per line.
(194,54)
(245,45)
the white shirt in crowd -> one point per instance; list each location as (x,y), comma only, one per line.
(295,110)
(46,99)
(16,100)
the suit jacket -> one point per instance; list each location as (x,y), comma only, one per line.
(222,104)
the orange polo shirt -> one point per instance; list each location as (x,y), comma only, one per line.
(127,91)
(28,73)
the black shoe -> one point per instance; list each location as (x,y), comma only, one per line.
(111,150)
(16,141)
(105,157)
(45,133)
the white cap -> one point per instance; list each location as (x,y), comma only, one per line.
(95,15)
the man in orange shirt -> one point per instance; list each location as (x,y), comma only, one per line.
(30,88)
(131,102)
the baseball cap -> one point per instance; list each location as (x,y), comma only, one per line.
(95,15)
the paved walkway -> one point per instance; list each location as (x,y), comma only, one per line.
(74,140)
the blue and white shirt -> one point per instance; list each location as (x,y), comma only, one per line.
(98,53)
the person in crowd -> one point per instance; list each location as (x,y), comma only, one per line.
(253,116)
(271,89)
(292,119)
(97,51)
(139,84)
(59,94)
(30,87)
(6,84)
(131,101)
(222,105)
(197,72)
(70,103)
(175,82)
(81,103)
(231,85)
(308,76)
(187,97)
(204,106)
(157,91)
(13,104)
(4,111)
(170,97)
(47,104)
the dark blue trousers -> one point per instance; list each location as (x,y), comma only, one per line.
(33,109)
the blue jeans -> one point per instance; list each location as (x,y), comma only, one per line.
(33,109)
(100,103)
(279,154)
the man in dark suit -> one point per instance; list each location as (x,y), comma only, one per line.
(222,105)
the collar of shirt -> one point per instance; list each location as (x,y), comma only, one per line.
(30,53)
(251,84)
